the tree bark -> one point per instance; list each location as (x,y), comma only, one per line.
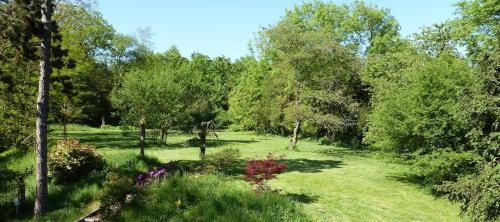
(296,132)
(21,189)
(142,137)
(203,142)
(163,134)
(42,112)
(103,124)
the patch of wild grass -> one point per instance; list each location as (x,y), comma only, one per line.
(210,198)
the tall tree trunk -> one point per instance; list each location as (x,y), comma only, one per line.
(42,112)
(203,142)
(142,137)
(296,132)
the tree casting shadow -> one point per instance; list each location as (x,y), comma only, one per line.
(300,165)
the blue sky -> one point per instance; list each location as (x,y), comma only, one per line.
(224,27)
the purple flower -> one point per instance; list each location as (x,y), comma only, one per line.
(159,172)
(143,178)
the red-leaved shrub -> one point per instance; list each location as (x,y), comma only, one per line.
(259,171)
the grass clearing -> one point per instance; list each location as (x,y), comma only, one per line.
(332,183)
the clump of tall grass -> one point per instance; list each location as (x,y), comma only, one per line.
(210,198)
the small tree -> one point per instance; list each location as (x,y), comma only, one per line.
(148,98)
(316,77)
(204,96)
(68,112)
(260,171)
(134,102)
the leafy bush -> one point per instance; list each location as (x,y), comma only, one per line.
(480,194)
(222,158)
(118,191)
(419,102)
(325,141)
(210,198)
(69,160)
(260,171)
(445,165)
(193,142)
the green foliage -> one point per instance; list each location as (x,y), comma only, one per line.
(191,142)
(210,198)
(479,194)
(325,141)
(362,28)
(338,70)
(147,95)
(222,158)
(86,83)
(171,92)
(118,190)
(479,31)
(71,160)
(304,76)
(314,74)
(19,51)
(206,91)
(257,101)
(312,178)
(445,165)
(309,70)
(419,102)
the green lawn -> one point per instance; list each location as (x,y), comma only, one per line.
(332,183)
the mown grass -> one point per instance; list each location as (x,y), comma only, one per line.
(330,183)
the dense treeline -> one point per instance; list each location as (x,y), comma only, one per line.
(337,73)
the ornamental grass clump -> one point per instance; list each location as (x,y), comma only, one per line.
(71,160)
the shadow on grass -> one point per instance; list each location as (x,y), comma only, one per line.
(311,166)
(212,143)
(73,196)
(419,182)
(409,178)
(346,152)
(119,140)
(237,168)
(302,198)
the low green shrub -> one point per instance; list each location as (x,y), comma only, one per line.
(221,159)
(445,165)
(70,160)
(210,198)
(118,191)
(479,194)
(193,142)
(325,141)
